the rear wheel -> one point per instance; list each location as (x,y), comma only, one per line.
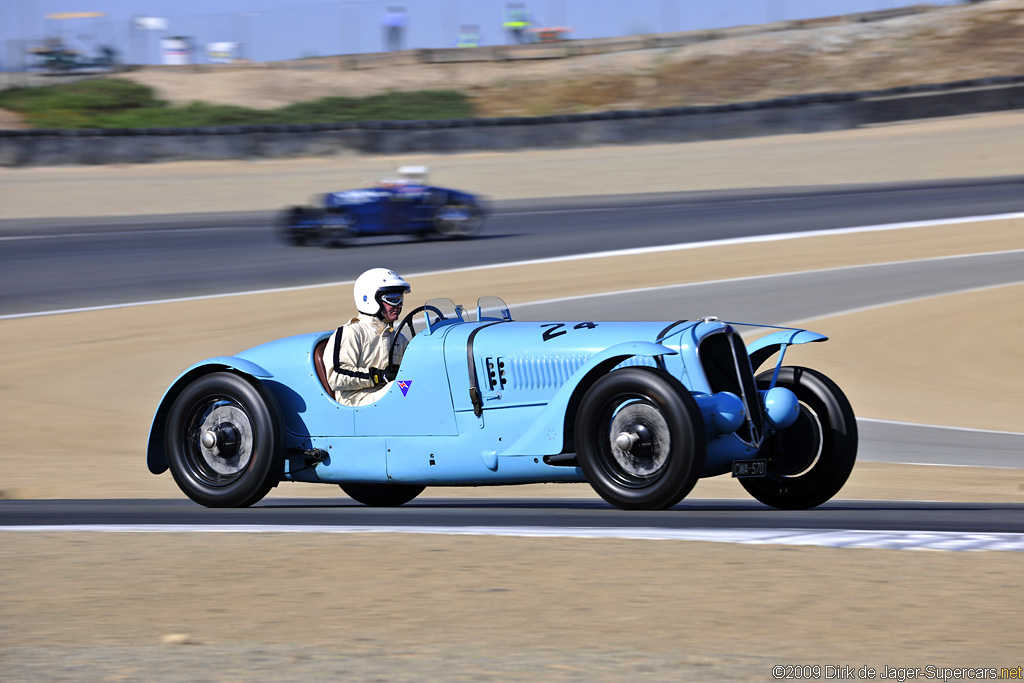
(299,225)
(224,441)
(639,439)
(808,462)
(381,495)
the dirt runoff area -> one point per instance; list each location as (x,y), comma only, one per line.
(78,392)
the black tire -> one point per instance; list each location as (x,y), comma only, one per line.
(224,441)
(458,221)
(287,221)
(664,462)
(381,495)
(808,462)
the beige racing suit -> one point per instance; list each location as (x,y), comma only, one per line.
(364,344)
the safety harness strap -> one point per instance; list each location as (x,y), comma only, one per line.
(337,349)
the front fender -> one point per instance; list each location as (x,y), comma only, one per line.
(156,456)
(762,349)
(546,436)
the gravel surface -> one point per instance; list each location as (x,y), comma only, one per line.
(373,607)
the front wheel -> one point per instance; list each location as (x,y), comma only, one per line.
(382,495)
(639,439)
(808,462)
(338,228)
(458,220)
(224,441)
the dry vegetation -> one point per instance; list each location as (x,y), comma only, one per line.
(948,44)
(945,44)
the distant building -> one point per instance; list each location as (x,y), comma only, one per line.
(469,36)
(393,22)
(517,22)
(176,50)
(222,52)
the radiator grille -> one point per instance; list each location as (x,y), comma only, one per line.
(727,368)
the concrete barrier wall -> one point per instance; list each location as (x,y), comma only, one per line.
(800,114)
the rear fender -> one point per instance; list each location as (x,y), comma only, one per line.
(552,432)
(156,456)
(762,349)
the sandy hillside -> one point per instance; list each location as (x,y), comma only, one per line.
(940,45)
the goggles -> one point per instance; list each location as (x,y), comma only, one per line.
(393,299)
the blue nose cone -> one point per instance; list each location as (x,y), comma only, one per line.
(729,412)
(781,407)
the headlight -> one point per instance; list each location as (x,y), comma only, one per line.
(729,412)
(780,406)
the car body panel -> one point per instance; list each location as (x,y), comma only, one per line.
(764,347)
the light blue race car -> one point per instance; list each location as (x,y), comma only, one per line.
(640,410)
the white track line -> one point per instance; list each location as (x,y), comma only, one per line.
(921,424)
(891,540)
(575,257)
(110,233)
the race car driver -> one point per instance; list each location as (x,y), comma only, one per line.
(356,355)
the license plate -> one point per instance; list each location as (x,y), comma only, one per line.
(758,467)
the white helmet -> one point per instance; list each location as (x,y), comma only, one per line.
(370,285)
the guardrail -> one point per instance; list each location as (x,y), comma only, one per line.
(788,115)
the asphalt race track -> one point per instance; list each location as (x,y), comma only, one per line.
(50,267)
(53,266)
(453,513)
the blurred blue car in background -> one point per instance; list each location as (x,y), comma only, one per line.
(402,206)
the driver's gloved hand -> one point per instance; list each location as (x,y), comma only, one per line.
(379,377)
(390,372)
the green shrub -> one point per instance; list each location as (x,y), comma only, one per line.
(75,105)
(407,106)
(114,103)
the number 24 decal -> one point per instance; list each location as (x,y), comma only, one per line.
(555,329)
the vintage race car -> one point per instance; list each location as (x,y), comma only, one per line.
(640,410)
(402,206)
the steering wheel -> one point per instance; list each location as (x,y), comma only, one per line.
(407,320)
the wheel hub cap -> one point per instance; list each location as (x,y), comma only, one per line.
(626,440)
(225,439)
(639,440)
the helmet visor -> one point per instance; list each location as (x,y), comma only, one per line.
(393,298)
